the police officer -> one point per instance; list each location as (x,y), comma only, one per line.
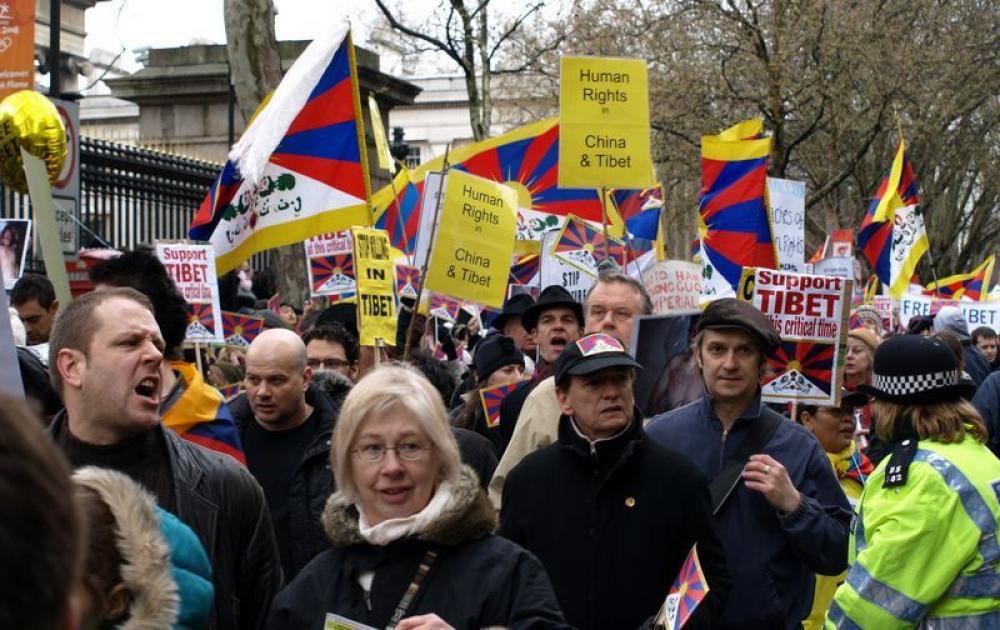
(925,550)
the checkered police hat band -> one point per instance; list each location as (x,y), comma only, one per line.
(914,383)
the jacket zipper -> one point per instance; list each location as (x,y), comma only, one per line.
(722,449)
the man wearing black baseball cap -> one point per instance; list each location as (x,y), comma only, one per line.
(781,514)
(604,481)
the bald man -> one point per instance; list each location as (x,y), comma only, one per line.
(285,424)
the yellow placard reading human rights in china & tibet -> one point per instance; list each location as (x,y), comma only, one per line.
(375,278)
(475,240)
(604,123)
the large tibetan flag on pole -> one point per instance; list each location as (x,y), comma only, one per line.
(974,285)
(300,168)
(526,159)
(640,210)
(400,215)
(892,235)
(735,224)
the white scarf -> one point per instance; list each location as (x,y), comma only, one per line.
(394,529)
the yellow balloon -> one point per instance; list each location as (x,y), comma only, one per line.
(29,120)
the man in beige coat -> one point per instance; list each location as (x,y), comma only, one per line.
(610,307)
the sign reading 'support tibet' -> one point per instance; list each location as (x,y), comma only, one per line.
(810,313)
(192,268)
(604,123)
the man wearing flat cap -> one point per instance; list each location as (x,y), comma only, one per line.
(611,514)
(780,511)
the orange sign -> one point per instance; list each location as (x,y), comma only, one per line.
(17,46)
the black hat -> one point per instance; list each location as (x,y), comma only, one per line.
(733,313)
(913,369)
(553,296)
(495,352)
(592,353)
(853,398)
(345,313)
(516,305)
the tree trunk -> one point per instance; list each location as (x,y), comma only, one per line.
(255,66)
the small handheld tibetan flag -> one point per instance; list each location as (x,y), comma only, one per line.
(687,592)
(240,330)
(491,399)
(231,391)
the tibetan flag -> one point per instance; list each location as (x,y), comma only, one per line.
(400,215)
(582,246)
(527,160)
(200,414)
(240,330)
(443,306)
(231,391)
(640,209)
(973,285)
(801,369)
(332,274)
(734,220)
(687,592)
(201,319)
(491,399)
(820,252)
(892,235)
(525,270)
(407,281)
(300,168)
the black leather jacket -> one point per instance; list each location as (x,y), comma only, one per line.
(221,501)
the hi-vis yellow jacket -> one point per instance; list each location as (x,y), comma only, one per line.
(926,554)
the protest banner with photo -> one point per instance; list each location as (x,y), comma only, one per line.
(15,238)
(976,313)
(553,270)
(842,243)
(670,376)
(604,123)
(240,330)
(192,268)
(673,285)
(583,246)
(787,200)
(811,315)
(471,256)
(330,263)
(376,283)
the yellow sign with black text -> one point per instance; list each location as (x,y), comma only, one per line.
(604,123)
(475,240)
(375,278)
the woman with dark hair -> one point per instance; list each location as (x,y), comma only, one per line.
(924,547)
(497,362)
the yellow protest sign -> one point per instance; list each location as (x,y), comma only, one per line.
(604,123)
(475,240)
(381,142)
(375,279)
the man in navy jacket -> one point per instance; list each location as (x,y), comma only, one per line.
(786,518)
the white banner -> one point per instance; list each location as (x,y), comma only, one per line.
(976,313)
(673,285)
(787,199)
(838,266)
(555,271)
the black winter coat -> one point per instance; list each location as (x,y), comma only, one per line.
(612,522)
(221,501)
(311,484)
(477,580)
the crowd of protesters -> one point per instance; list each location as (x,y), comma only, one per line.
(347,484)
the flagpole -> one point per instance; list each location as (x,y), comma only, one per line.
(604,219)
(407,346)
(399,215)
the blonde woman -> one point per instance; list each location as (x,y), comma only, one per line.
(411,529)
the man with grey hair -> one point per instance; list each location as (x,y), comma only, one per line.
(610,306)
(285,424)
(105,354)
(951,319)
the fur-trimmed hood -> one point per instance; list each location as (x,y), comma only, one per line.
(146,569)
(468,516)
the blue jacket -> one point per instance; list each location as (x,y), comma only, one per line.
(772,557)
(987,402)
